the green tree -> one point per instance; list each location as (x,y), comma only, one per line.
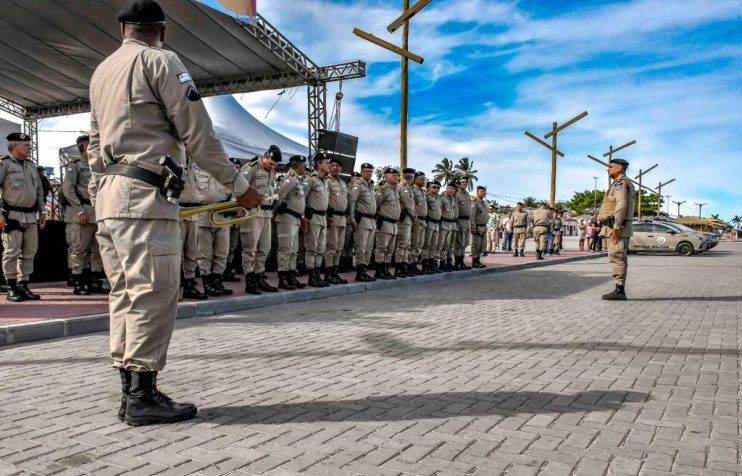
(465,169)
(736,221)
(586,202)
(444,171)
(379,172)
(530,202)
(715,217)
(649,203)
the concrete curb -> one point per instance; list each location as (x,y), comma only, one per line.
(72,326)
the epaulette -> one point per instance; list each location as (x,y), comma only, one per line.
(252,162)
(3,157)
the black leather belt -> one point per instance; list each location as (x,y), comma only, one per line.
(388,220)
(543,226)
(137,173)
(520,226)
(366,215)
(312,211)
(463,218)
(12,208)
(335,213)
(448,220)
(189,204)
(432,220)
(291,212)
(266,207)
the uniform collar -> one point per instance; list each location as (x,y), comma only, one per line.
(128,41)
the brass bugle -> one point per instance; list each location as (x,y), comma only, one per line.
(223,207)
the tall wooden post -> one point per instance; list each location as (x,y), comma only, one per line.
(552,195)
(405,94)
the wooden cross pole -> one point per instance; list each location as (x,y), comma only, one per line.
(554,151)
(659,195)
(627,178)
(639,177)
(612,151)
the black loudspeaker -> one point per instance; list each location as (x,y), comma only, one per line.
(337,142)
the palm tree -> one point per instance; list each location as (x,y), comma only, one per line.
(530,202)
(465,169)
(715,217)
(736,221)
(444,171)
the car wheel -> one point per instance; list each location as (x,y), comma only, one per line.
(685,249)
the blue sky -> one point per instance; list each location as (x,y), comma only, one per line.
(666,73)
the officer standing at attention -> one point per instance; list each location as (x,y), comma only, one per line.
(432,228)
(189,235)
(337,221)
(363,221)
(461,237)
(289,212)
(417,238)
(255,234)
(144,106)
(21,201)
(80,227)
(403,266)
(556,233)
(315,219)
(617,226)
(479,219)
(448,228)
(519,221)
(541,221)
(387,215)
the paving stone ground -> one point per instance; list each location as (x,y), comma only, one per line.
(517,373)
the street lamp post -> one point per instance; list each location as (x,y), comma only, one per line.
(595,194)
(659,195)
(678,204)
(700,207)
(668,205)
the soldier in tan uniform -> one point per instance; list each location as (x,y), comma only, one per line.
(255,234)
(519,222)
(541,222)
(80,227)
(616,217)
(189,235)
(417,234)
(289,212)
(479,218)
(337,221)
(449,226)
(461,237)
(556,233)
(403,266)
(363,221)
(21,201)
(144,106)
(315,219)
(387,216)
(432,228)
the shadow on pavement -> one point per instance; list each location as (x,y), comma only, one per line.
(691,298)
(422,406)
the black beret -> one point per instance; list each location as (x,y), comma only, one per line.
(619,162)
(235,160)
(519,203)
(320,156)
(366,165)
(355,174)
(274,153)
(142,11)
(335,160)
(420,174)
(408,171)
(297,159)
(82,139)
(481,187)
(390,170)
(18,137)
(436,183)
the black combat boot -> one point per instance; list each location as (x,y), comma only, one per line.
(264,285)
(284,281)
(70,283)
(218,281)
(618,294)
(522,255)
(14,294)
(251,284)
(27,294)
(539,254)
(556,251)
(477,263)
(462,264)
(338,278)
(79,288)
(294,281)
(190,291)
(210,288)
(388,274)
(435,266)
(146,405)
(229,276)
(315,280)
(515,255)
(95,283)
(362,276)
(125,387)
(411,269)
(379,274)
(400,270)
(330,276)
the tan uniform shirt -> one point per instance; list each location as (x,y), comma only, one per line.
(407,203)
(144,105)
(620,198)
(291,192)
(20,186)
(189,195)
(464,205)
(387,206)
(433,202)
(480,215)
(362,199)
(541,217)
(421,202)
(75,186)
(519,221)
(263,180)
(208,191)
(315,189)
(338,200)
(449,211)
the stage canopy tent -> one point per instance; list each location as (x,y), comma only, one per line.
(51,48)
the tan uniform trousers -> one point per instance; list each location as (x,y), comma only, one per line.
(493,240)
(384,247)
(556,240)
(256,244)
(519,238)
(142,262)
(540,234)
(335,243)
(315,241)
(478,240)
(619,259)
(19,249)
(213,249)
(82,247)
(430,243)
(287,231)
(364,241)
(444,243)
(417,240)
(189,241)
(403,243)
(461,238)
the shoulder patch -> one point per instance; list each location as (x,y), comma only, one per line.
(618,185)
(184,77)
(192,94)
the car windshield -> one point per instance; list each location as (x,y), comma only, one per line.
(682,228)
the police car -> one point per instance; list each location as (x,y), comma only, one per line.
(665,238)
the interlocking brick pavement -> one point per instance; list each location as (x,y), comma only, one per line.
(525,372)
